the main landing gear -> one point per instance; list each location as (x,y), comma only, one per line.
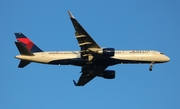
(151,66)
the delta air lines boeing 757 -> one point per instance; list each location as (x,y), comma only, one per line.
(92,59)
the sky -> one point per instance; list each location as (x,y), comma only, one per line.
(121,24)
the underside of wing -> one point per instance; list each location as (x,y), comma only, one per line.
(84,78)
(88,73)
(84,39)
(89,50)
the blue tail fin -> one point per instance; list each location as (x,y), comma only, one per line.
(27,42)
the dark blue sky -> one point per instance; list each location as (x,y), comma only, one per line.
(122,24)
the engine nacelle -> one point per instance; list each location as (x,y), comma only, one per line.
(108,74)
(107,51)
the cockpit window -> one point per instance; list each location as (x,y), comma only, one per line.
(162,53)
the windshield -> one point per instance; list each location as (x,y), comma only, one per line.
(162,53)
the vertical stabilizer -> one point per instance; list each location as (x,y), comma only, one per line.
(27,42)
(23,50)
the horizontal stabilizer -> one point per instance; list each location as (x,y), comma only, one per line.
(23,50)
(23,63)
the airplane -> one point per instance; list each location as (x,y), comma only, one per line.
(92,59)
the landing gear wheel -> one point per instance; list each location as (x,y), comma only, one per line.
(151,66)
(150,69)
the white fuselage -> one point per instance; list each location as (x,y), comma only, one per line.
(126,56)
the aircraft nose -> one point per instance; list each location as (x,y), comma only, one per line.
(167,59)
(17,56)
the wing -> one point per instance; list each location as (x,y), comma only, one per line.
(88,73)
(84,78)
(84,39)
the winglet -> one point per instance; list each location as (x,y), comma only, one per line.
(70,15)
(74,82)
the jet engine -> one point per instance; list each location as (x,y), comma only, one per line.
(108,74)
(107,51)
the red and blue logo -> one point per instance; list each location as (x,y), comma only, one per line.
(27,42)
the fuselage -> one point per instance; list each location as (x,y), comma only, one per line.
(74,58)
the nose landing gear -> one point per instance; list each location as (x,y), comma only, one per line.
(151,66)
